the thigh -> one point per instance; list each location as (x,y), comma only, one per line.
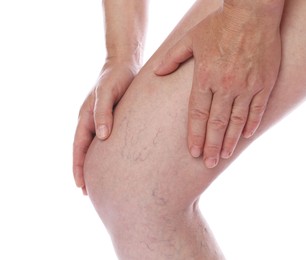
(145,163)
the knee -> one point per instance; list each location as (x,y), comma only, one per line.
(144,168)
(126,193)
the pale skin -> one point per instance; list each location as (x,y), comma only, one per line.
(143,181)
(232,79)
(125,27)
(237,54)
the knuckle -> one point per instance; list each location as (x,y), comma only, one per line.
(238,119)
(102,112)
(98,115)
(202,73)
(99,90)
(202,66)
(212,149)
(99,94)
(187,48)
(198,114)
(218,123)
(258,109)
(227,81)
(254,122)
(258,86)
(101,115)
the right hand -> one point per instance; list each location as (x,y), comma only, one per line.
(237,56)
(96,113)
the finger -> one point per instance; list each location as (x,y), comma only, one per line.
(198,114)
(235,127)
(103,114)
(257,109)
(84,190)
(216,127)
(179,53)
(82,139)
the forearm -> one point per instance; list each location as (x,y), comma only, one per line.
(125,28)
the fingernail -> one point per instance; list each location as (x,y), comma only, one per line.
(211,162)
(249,134)
(195,151)
(102,131)
(225,154)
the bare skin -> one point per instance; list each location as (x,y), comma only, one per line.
(143,181)
(125,29)
(237,53)
(232,79)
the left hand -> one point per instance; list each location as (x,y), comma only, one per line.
(97,109)
(237,59)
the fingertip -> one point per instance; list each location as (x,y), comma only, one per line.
(248,134)
(79,182)
(160,69)
(84,191)
(157,68)
(166,67)
(195,151)
(102,132)
(225,154)
(78,177)
(211,162)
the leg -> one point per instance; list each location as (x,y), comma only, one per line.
(142,180)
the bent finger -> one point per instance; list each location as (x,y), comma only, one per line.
(216,127)
(179,53)
(198,114)
(103,114)
(236,125)
(257,109)
(83,137)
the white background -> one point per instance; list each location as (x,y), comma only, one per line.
(50,55)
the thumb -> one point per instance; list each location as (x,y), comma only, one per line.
(176,55)
(103,115)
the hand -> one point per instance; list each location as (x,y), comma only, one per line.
(237,60)
(96,113)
